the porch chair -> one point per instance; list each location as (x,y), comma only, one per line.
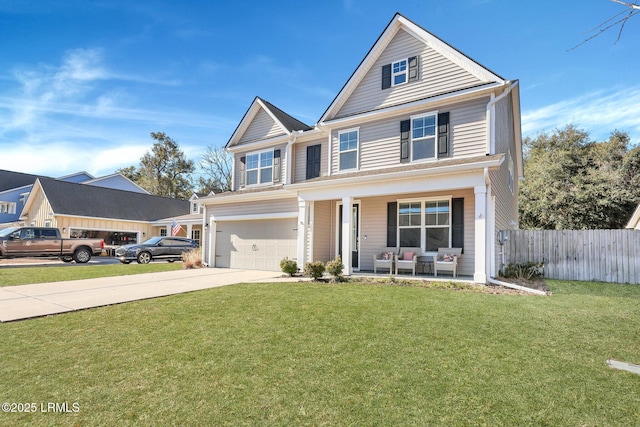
(384,259)
(407,259)
(447,260)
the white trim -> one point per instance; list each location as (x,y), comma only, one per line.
(434,137)
(423,225)
(357,149)
(259,169)
(406,72)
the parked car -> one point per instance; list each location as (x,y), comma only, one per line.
(162,247)
(18,242)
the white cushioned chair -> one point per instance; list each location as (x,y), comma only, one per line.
(447,260)
(384,259)
(407,259)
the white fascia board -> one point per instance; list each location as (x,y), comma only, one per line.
(395,187)
(415,105)
(273,117)
(633,222)
(247,197)
(517,127)
(93,218)
(256,217)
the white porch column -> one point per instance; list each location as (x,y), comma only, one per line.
(302,233)
(347,225)
(480,223)
(211,258)
(189,229)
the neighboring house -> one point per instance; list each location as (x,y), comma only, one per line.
(634,222)
(15,188)
(420,148)
(117,216)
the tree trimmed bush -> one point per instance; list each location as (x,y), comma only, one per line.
(335,268)
(314,269)
(289,266)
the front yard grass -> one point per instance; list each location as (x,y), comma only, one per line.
(11,276)
(347,354)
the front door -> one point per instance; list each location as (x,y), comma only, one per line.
(355,234)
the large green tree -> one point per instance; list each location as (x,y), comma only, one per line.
(164,170)
(572,182)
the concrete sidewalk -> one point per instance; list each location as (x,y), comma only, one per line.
(26,301)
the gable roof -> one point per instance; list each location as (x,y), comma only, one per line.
(10,180)
(67,198)
(396,24)
(287,124)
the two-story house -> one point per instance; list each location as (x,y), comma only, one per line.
(421,148)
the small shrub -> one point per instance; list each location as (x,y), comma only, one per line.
(526,270)
(335,268)
(192,259)
(314,269)
(289,266)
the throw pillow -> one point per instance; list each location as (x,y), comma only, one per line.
(448,258)
(408,256)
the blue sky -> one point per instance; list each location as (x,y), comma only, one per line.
(83,83)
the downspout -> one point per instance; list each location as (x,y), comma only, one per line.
(491,117)
(205,238)
(289,178)
(514,286)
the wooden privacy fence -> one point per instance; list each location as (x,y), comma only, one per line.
(593,255)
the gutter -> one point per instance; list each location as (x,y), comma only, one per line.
(517,287)
(491,125)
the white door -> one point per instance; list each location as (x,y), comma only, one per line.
(255,245)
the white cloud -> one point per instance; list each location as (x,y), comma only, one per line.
(598,112)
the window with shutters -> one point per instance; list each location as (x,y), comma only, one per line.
(348,149)
(424,137)
(399,72)
(259,168)
(425,223)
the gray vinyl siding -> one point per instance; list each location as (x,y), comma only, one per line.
(256,207)
(380,140)
(262,126)
(506,202)
(283,161)
(323,229)
(438,75)
(374,226)
(300,156)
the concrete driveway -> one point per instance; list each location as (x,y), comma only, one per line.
(26,301)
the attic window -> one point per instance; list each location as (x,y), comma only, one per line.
(400,72)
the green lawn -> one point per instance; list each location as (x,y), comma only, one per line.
(11,276)
(296,354)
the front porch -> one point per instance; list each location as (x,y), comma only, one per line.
(418,277)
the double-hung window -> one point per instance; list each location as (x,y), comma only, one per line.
(348,149)
(399,72)
(423,137)
(260,168)
(425,224)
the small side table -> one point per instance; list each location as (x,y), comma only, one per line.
(426,261)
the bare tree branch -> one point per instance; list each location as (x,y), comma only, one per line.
(633,9)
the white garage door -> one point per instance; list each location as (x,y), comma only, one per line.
(255,245)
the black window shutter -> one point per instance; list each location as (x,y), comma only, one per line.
(443,135)
(243,162)
(277,166)
(413,68)
(386,76)
(457,223)
(405,128)
(313,161)
(392,224)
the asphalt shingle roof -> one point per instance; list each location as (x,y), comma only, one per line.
(10,180)
(68,198)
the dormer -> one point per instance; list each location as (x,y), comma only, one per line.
(261,146)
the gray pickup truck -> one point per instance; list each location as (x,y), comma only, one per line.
(46,242)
